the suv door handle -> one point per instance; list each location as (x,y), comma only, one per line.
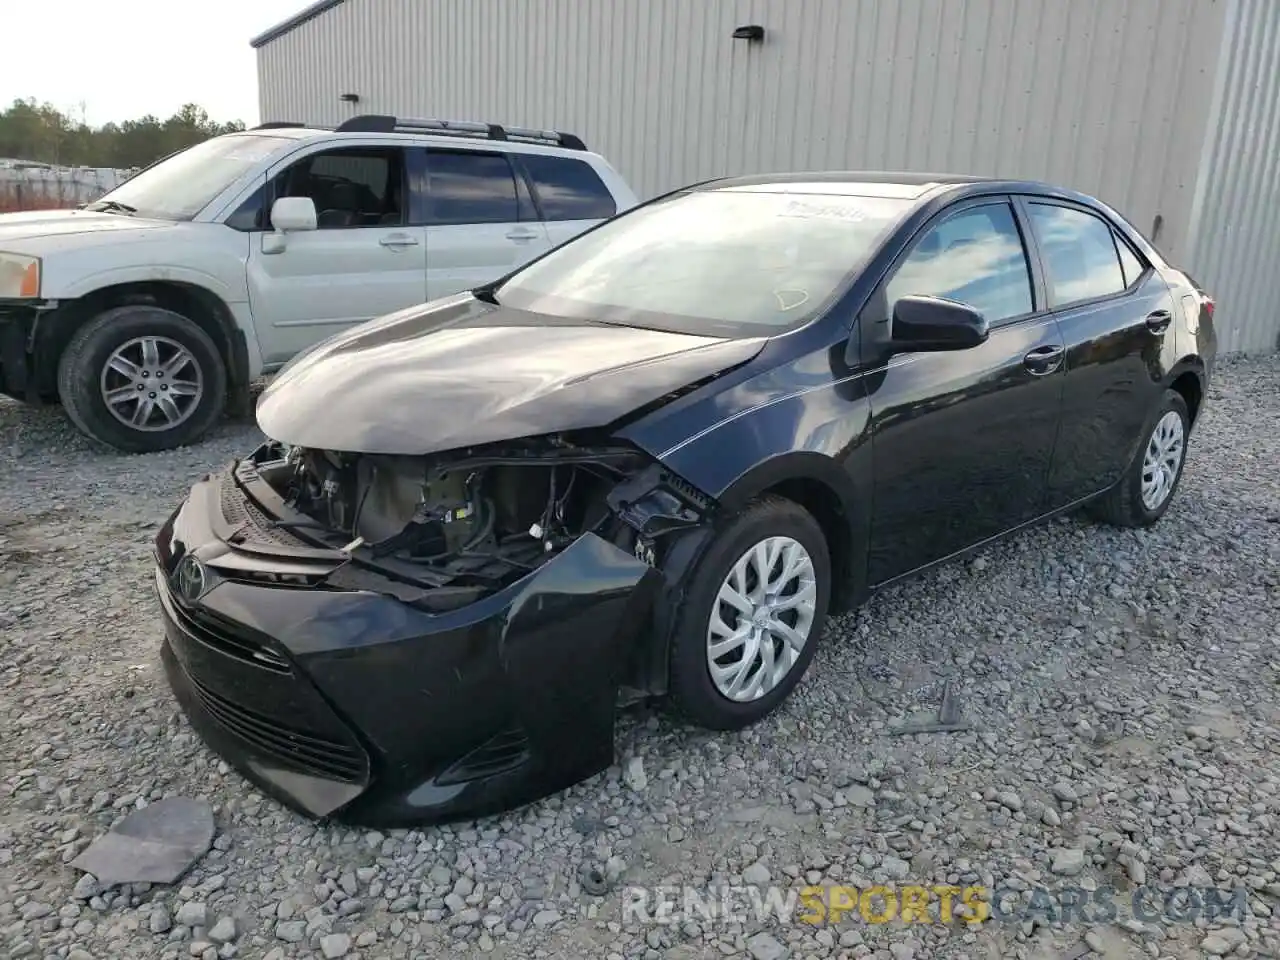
(520,235)
(399,240)
(1044,360)
(1159,320)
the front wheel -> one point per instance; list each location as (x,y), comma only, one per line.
(1145,491)
(752,616)
(142,379)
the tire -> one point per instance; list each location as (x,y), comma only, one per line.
(1124,504)
(694,692)
(178,418)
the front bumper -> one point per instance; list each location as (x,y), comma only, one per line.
(17,320)
(356,705)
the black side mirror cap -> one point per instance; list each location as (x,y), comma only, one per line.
(922,323)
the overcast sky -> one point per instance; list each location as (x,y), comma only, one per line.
(125,58)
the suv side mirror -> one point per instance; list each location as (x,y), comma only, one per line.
(934,324)
(293,214)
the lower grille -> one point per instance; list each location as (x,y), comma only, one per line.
(229,639)
(296,749)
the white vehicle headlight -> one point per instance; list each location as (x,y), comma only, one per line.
(19,276)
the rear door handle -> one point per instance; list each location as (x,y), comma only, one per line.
(521,235)
(1158,321)
(399,240)
(1043,360)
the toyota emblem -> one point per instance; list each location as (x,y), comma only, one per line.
(189,578)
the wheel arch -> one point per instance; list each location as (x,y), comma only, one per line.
(826,491)
(1187,378)
(197,303)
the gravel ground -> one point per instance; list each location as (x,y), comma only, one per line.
(1121,688)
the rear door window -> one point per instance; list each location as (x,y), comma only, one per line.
(467,186)
(568,189)
(1079,251)
(1130,263)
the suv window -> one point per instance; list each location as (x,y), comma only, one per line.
(568,189)
(465,186)
(351,187)
(976,257)
(1079,253)
(250,215)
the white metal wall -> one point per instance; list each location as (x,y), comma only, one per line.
(1112,97)
(1235,220)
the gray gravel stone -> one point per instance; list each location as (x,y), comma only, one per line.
(224,931)
(764,946)
(335,945)
(1067,862)
(159,921)
(193,913)
(291,931)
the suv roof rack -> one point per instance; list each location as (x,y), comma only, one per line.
(379,123)
(278,125)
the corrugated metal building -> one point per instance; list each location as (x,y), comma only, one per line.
(1167,109)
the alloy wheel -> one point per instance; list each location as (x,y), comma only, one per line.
(1162,460)
(152,383)
(762,619)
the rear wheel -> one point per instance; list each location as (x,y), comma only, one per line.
(1145,491)
(752,616)
(141,379)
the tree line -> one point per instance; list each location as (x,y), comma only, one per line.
(42,133)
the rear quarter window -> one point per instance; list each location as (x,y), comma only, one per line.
(568,189)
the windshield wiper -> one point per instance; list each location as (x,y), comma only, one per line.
(111,206)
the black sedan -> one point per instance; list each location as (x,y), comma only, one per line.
(650,464)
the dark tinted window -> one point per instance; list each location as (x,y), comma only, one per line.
(251,214)
(569,189)
(1129,262)
(358,187)
(465,187)
(1079,253)
(975,257)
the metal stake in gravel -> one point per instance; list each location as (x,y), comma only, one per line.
(948,717)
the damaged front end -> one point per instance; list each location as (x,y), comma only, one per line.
(455,629)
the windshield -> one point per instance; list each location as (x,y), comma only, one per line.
(179,187)
(731,262)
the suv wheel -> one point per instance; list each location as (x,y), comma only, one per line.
(752,616)
(142,379)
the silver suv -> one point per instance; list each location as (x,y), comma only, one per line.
(144,311)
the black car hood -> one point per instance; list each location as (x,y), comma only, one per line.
(459,372)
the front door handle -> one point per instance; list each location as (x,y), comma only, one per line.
(399,240)
(1159,320)
(1044,360)
(522,235)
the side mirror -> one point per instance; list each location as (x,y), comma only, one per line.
(293,214)
(934,324)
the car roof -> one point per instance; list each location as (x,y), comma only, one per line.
(863,183)
(921,188)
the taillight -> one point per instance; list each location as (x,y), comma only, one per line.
(1208,305)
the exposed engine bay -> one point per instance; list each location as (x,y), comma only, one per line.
(466,523)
